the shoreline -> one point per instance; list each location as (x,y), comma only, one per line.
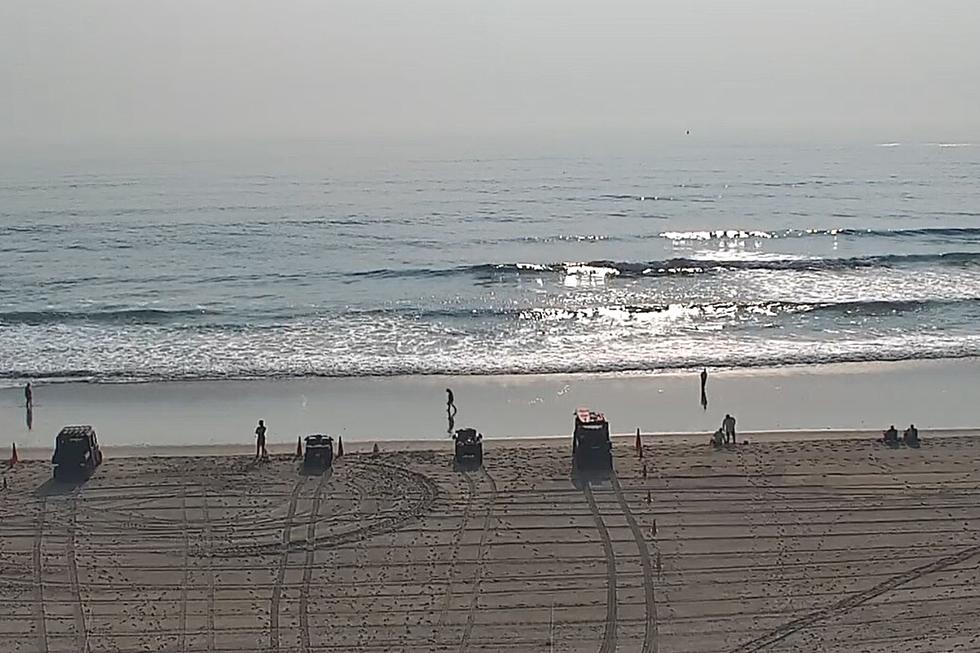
(9,383)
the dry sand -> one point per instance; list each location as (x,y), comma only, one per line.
(779,546)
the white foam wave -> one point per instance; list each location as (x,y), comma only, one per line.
(719,234)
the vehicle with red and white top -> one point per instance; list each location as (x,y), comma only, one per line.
(591,446)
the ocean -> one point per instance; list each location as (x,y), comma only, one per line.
(154,266)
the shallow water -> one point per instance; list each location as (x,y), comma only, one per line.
(306,262)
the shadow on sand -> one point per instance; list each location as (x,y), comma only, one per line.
(54,487)
(589,476)
(314,470)
(466,465)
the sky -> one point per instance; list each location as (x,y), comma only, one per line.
(151,71)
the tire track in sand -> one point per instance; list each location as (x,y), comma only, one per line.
(182,627)
(454,554)
(209,538)
(480,567)
(849,603)
(287,528)
(609,636)
(81,632)
(304,597)
(39,616)
(418,491)
(650,629)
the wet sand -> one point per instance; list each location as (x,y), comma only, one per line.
(805,545)
(868,396)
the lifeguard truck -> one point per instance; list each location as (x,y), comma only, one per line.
(591,446)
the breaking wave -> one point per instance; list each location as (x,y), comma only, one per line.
(121,316)
(678,266)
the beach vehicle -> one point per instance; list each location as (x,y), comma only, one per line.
(591,446)
(469,446)
(319,451)
(76,452)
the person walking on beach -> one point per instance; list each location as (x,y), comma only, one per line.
(704,384)
(28,396)
(450,402)
(260,451)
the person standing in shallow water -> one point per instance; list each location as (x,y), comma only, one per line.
(260,451)
(28,396)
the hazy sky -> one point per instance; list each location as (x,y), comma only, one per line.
(156,70)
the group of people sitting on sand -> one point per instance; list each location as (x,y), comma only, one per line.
(910,438)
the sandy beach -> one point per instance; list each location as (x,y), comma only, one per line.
(805,545)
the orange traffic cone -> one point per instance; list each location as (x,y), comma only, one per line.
(299,447)
(639,444)
(340,446)
(14,458)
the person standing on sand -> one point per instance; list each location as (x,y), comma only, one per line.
(28,396)
(728,424)
(260,451)
(450,402)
